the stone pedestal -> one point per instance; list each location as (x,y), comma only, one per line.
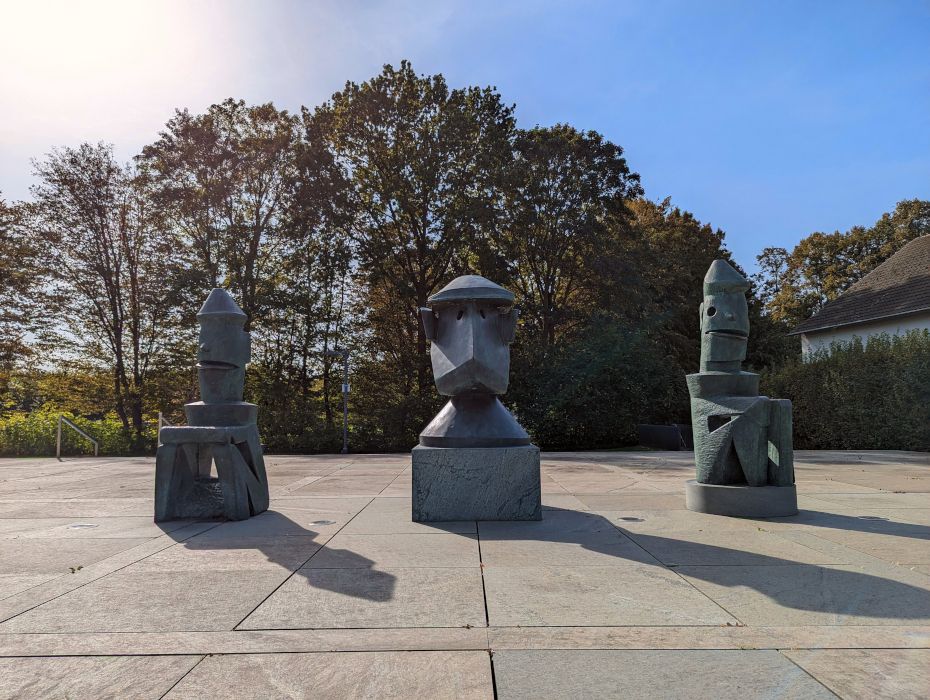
(478,483)
(742,501)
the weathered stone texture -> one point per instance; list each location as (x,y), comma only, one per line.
(487,483)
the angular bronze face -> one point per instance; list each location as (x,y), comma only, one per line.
(724,318)
(470,349)
(223,349)
(724,327)
(222,342)
(470,325)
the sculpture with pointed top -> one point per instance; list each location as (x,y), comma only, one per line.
(474,460)
(742,441)
(222,429)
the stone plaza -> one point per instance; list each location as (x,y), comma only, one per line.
(619,591)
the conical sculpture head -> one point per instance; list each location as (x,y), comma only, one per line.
(470,324)
(724,319)
(224,349)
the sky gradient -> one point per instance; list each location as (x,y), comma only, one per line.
(769,120)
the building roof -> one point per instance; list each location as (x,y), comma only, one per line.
(897,287)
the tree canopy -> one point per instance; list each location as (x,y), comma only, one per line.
(332,227)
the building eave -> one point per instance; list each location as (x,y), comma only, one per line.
(859,322)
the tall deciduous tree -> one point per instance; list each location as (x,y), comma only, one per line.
(110,292)
(426,164)
(222,180)
(19,279)
(679,249)
(565,235)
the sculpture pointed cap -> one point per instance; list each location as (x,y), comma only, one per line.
(218,304)
(723,277)
(470,288)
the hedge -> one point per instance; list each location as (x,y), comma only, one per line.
(859,395)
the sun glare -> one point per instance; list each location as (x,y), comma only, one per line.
(104,61)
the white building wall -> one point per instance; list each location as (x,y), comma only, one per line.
(814,340)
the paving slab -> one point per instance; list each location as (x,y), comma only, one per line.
(285,553)
(92,677)
(709,637)
(59,556)
(88,528)
(867,501)
(899,545)
(455,675)
(347,598)
(144,601)
(596,595)
(11,584)
(738,548)
(629,501)
(590,550)
(406,550)
(393,516)
(75,508)
(273,525)
(725,675)
(797,594)
(347,485)
(865,674)
(849,576)
(244,641)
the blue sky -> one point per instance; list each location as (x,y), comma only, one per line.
(767,119)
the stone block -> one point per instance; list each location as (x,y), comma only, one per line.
(742,501)
(481,483)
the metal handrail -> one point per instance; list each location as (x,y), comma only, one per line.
(162,421)
(62,419)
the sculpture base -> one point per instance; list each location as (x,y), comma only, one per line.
(742,501)
(183,485)
(476,483)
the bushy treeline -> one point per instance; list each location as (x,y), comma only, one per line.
(860,395)
(331,227)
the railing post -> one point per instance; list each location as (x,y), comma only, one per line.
(65,421)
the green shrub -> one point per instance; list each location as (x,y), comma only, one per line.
(593,392)
(860,395)
(34,434)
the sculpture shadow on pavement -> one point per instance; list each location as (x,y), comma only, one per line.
(290,545)
(820,588)
(842,591)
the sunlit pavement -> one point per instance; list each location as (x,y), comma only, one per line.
(335,593)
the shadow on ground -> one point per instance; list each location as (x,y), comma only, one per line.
(821,588)
(288,544)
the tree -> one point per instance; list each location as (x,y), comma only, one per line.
(110,294)
(678,251)
(824,265)
(19,279)
(773,267)
(426,164)
(306,313)
(222,180)
(565,238)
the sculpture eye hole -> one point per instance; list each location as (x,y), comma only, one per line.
(481,311)
(711,311)
(460,314)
